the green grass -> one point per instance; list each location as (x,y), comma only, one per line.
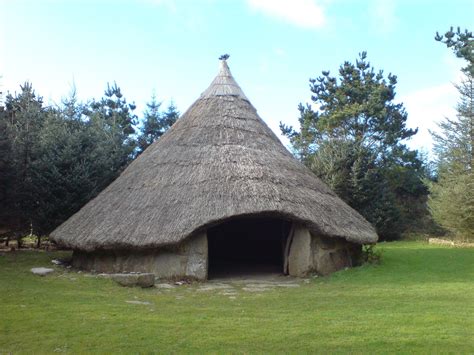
(420,299)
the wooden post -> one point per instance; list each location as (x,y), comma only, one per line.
(286,254)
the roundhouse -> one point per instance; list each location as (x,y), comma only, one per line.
(217,192)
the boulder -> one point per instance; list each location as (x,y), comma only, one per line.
(137,279)
(41,271)
(300,261)
(138,302)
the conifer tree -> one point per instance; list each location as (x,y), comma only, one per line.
(155,122)
(55,159)
(114,120)
(452,195)
(25,117)
(353,140)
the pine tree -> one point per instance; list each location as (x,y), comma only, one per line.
(114,120)
(6,174)
(66,172)
(25,170)
(155,122)
(170,116)
(452,195)
(353,142)
(53,160)
(462,44)
(151,128)
(25,119)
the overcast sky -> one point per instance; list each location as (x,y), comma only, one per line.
(171,47)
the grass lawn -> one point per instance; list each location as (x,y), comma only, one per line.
(420,299)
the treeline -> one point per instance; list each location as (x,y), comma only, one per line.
(53,159)
(353,136)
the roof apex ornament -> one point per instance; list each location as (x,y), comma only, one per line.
(224,83)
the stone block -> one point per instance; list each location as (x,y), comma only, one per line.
(197,260)
(41,271)
(300,258)
(167,265)
(333,254)
(130,280)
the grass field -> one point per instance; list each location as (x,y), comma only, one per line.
(420,299)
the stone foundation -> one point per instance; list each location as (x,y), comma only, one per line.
(322,255)
(307,254)
(188,259)
(333,254)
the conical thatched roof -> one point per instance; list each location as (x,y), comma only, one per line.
(218,161)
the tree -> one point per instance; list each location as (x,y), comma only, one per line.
(171,115)
(462,44)
(155,122)
(114,120)
(25,117)
(6,179)
(452,205)
(55,159)
(68,169)
(353,142)
(82,148)
(454,144)
(151,128)
(452,195)
(38,143)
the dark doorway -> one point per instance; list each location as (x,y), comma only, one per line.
(247,246)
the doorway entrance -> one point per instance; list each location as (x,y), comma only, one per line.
(247,246)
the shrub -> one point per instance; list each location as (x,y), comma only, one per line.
(370,255)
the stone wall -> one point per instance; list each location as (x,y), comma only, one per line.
(188,259)
(333,254)
(308,254)
(317,254)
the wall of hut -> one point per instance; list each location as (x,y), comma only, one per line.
(307,254)
(310,253)
(188,259)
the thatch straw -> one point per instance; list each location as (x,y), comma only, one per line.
(218,161)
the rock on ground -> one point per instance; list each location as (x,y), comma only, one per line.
(164,285)
(41,271)
(129,280)
(138,302)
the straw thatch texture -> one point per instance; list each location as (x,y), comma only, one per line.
(224,85)
(219,160)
